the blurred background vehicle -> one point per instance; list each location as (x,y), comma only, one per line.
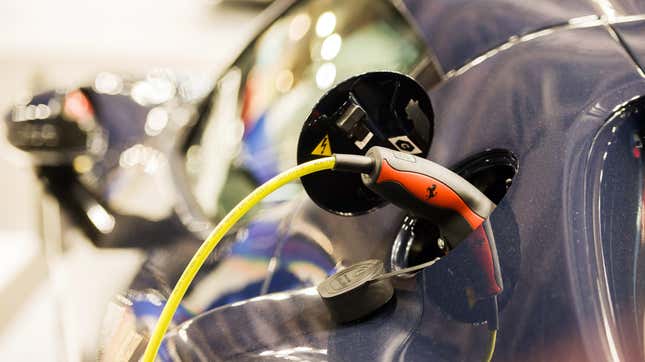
(63,45)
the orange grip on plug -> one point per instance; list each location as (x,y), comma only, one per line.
(431,191)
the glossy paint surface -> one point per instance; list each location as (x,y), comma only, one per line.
(619,7)
(543,99)
(458,31)
(631,34)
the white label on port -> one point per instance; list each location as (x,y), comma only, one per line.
(404,144)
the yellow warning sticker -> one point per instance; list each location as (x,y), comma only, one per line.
(323,148)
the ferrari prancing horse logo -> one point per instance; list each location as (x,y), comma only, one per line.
(431,191)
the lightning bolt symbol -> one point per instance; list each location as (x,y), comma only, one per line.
(323,145)
(323,148)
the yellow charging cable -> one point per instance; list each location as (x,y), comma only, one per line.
(216,235)
(491,346)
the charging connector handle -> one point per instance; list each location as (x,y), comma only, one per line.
(428,190)
(435,193)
